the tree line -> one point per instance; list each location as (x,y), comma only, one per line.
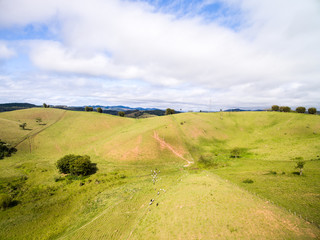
(276,108)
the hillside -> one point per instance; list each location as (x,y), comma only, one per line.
(202,190)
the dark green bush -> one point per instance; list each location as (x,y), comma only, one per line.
(5,201)
(81,166)
(6,150)
(285,109)
(248,180)
(76,165)
(312,110)
(207,162)
(170,111)
(275,108)
(64,163)
(300,109)
(235,152)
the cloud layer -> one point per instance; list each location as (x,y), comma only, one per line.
(186,53)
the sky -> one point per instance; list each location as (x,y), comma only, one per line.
(190,55)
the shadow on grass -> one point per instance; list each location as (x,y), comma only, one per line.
(94,169)
(14,203)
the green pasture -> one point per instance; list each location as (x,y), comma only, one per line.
(210,199)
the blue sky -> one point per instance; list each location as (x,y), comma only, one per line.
(190,55)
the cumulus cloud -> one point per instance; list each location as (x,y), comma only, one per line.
(243,52)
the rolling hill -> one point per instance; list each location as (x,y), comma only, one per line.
(200,192)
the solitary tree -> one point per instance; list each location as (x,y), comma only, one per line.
(300,109)
(76,165)
(275,108)
(312,110)
(121,114)
(170,111)
(99,110)
(45,105)
(300,165)
(23,126)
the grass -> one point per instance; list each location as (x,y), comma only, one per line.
(210,199)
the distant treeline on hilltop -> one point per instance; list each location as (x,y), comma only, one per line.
(15,106)
(114,110)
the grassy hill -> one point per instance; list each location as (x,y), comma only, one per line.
(203,194)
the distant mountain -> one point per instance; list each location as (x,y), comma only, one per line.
(122,108)
(242,110)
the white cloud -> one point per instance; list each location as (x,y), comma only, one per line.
(274,47)
(5,52)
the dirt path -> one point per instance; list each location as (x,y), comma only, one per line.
(167,145)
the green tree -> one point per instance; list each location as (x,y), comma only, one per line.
(75,165)
(312,110)
(275,108)
(88,109)
(6,150)
(300,109)
(121,114)
(300,166)
(99,110)
(64,163)
(45,105)
(285,109)
(23,125)
(169,111)
(81,166)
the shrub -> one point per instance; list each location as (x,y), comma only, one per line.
(121,114)
(5,201)
(300,109)
(235,152)
(275,108)
(207,162)
(76,165)
(6,150)
(99,110)
(312,110)
(248,180)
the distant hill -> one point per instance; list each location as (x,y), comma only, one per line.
(4,107)
(242,110)
(113,110)
(122,108)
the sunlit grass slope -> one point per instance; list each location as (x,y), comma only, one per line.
(197,204)
(10,131)
(271,145)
